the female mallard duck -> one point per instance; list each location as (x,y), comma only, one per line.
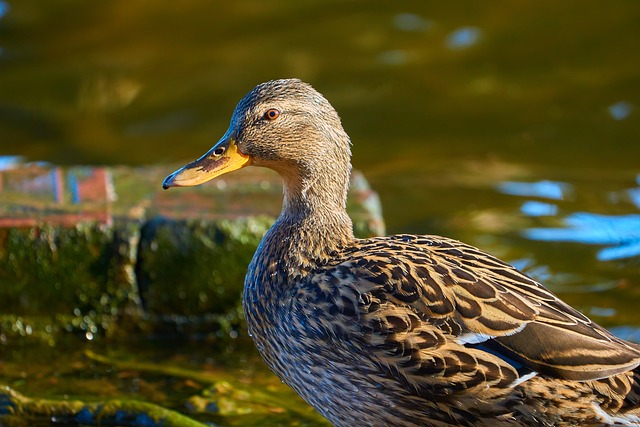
(404,330)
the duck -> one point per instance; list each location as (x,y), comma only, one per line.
(403,330)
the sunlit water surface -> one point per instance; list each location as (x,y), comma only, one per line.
(512,126)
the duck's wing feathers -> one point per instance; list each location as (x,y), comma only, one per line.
(430,307)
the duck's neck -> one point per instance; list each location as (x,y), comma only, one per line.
(314,224)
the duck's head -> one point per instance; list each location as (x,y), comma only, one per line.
(284,125)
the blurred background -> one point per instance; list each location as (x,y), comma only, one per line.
(511,125)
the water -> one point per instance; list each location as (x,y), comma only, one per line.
(512,126)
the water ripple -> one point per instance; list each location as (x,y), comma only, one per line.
(620,110)
(463,38)
(544,189)
(620,232)
(4,8)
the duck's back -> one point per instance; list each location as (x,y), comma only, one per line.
(422,330)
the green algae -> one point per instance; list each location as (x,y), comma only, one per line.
(184,277)
(20,410)
(50,269)
(147,384)
(222,393)
(75,279)
(225,396)
(194,266)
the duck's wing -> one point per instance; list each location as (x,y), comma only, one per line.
(430,307)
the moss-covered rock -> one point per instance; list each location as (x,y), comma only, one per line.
(91,249)
(194,267)
(65,270)
(19,410)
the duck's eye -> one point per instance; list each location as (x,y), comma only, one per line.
(219,151)
(271,114)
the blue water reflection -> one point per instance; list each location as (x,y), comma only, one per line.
(533,208)
(620,110)
(544,189)
(463,38)
(621,232)
(10,162)
(628,333)
(4,8)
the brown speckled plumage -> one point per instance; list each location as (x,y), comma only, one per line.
(403,330)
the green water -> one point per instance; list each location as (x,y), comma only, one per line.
(513,126)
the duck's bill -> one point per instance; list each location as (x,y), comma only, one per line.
(223,158)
